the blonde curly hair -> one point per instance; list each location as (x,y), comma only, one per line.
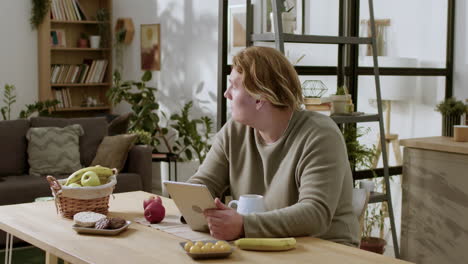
(267,73)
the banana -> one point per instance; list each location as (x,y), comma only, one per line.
(103,172)
(266,244)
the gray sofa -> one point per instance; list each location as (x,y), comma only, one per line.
(16,186)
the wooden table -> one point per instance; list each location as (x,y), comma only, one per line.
(38,224)
(434,226)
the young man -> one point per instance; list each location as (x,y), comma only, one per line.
(296,159)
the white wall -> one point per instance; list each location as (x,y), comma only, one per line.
(189,51)
(18,53)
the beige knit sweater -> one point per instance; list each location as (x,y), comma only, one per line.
(304,176)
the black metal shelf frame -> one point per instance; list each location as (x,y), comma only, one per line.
(348,62)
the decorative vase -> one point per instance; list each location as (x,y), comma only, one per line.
(448,121)
(373,244)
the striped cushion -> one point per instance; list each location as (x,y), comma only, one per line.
(54,150)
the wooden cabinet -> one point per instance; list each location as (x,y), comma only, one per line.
(434,226)
(80,94)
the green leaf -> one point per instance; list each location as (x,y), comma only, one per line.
(188,154)
(146,76)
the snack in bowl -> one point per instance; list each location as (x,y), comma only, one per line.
(87,219)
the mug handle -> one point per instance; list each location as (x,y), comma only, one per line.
(232,203)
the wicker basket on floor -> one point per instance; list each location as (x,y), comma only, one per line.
(72,200)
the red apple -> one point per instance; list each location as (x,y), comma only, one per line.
(150,200)
(155,212)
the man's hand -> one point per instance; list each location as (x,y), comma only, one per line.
(224,222)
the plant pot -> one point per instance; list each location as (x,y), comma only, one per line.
(448,121)
(373,244)
(339,104)
(82,43)
(95,41)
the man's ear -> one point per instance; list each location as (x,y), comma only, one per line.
(259,103)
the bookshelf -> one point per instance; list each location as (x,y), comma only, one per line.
(68,72)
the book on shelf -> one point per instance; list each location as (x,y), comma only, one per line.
(58,97)
(81,10)
(69,97)
(67,10)
(90,71)
(318,107)
(57,38)
(63,95)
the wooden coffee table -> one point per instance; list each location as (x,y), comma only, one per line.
(39,224)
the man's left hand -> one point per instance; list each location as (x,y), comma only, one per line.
(224,222)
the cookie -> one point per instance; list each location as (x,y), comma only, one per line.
(87,219)
(103,223)
(116,222)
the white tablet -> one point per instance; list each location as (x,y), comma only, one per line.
(192,200)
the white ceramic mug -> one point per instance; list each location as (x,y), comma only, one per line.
(95,41)
(248,203)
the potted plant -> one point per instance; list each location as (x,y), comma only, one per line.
(9,98)
(83,40)
(143,103)
(360,157)
(123,34)
(40,8)
(103,16)
(189,142)
(373,217)
(340,101)
(451,111)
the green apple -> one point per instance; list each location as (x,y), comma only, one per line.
(90,178)
(75,185)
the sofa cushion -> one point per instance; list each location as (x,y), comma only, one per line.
(113,151)
(119,125)
(13,147)
(95,129)
(54,150)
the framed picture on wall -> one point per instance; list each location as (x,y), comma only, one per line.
(236,28)
(150,47)
(293,9)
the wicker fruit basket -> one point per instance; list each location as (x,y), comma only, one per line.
(72,200)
